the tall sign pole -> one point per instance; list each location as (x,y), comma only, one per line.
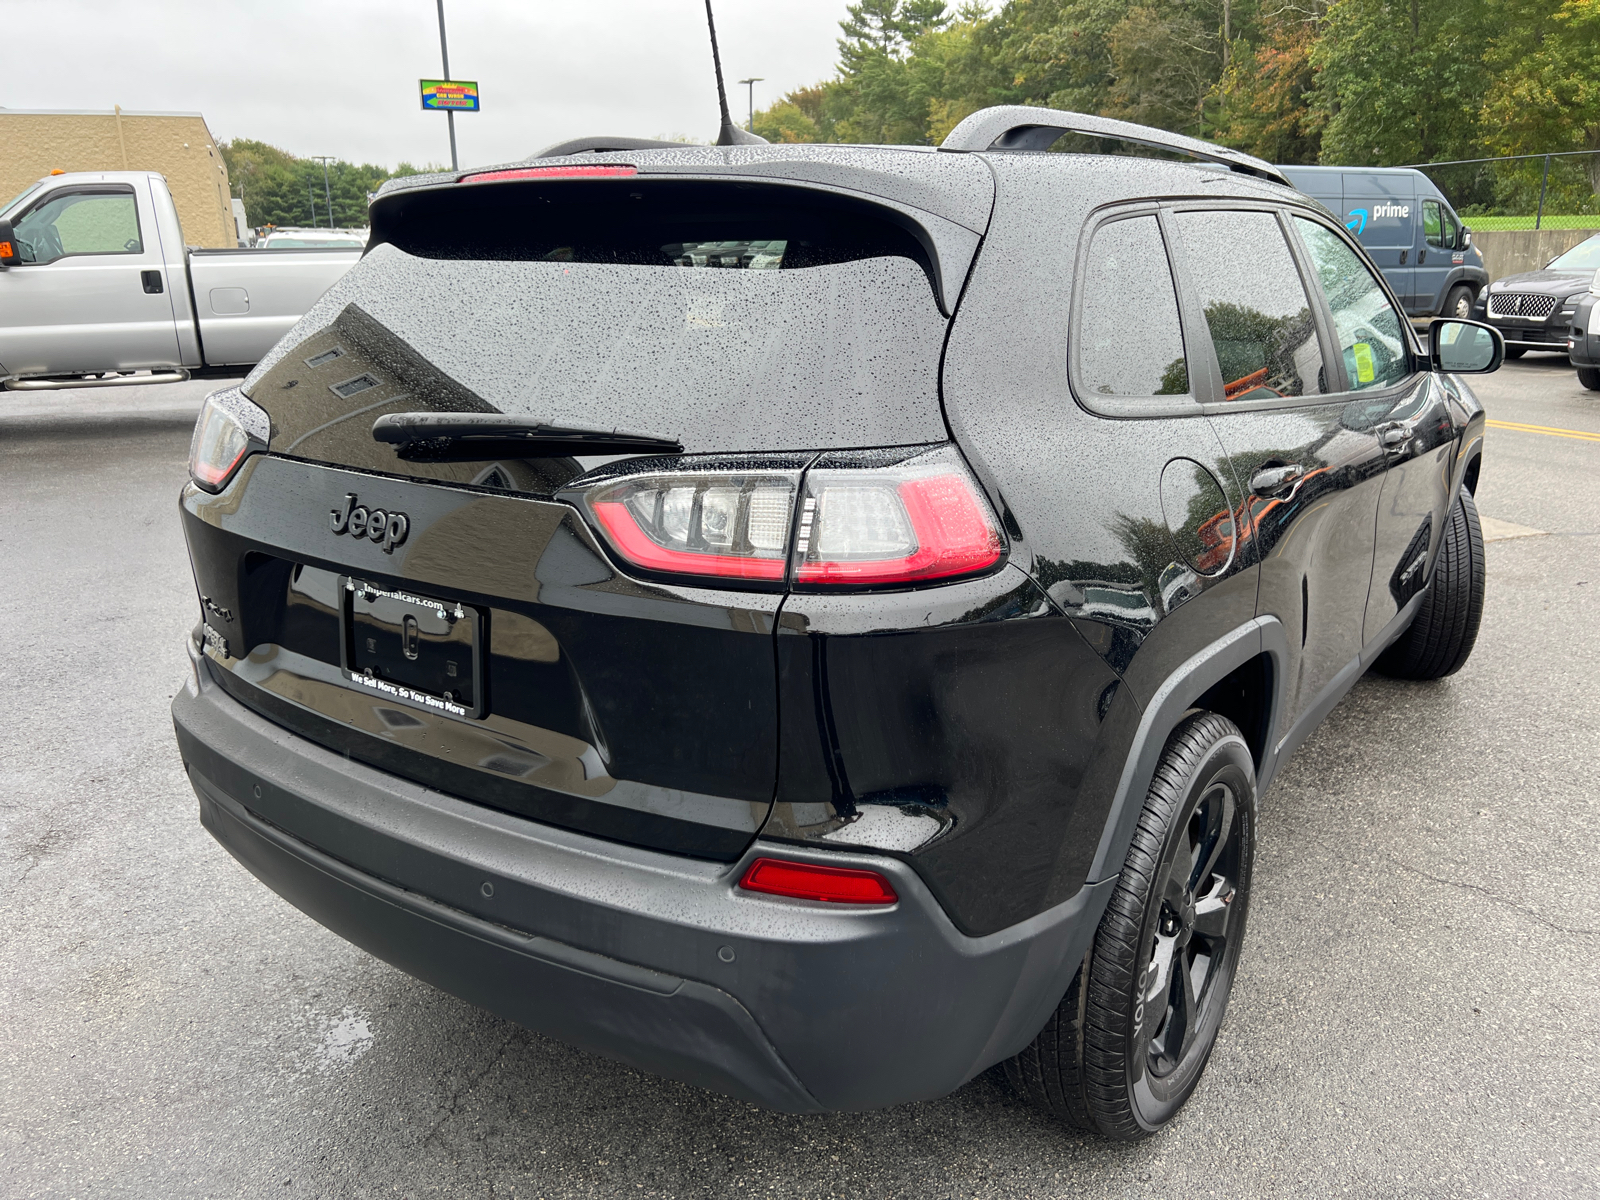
(751,82)
(444,53)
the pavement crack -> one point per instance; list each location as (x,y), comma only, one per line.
(466,1086)
(1521,909)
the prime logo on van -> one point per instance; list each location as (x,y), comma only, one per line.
(388,529)
(1357,224)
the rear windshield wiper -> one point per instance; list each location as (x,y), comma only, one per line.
(470,436)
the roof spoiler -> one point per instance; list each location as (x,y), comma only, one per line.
(1016,127)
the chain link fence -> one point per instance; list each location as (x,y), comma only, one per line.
(1560,190)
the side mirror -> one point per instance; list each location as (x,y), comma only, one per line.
(1465,347)
(1466,236)
(8,246)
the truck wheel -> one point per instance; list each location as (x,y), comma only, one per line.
(1128,1042)
(1516,351)
(1590,378)
(1441,638)
(1458,304)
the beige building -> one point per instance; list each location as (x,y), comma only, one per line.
(178,145)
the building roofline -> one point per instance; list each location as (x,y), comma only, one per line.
(90,112)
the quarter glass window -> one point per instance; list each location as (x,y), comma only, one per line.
(1370,337)
(1255,305)
(1129,341)
(80,223)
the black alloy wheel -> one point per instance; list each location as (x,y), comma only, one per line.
(1128,1043)
(1198,886)
(1458,304)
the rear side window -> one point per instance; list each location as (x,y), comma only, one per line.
(1369,331)
(91,222)
(1255,305)
(1129,339)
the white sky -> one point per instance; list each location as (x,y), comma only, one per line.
(339,77)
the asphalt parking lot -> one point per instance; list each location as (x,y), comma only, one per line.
(1416,1013)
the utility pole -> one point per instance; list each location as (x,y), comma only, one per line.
(751,84)
(327,194)
(444,53)
(311,195)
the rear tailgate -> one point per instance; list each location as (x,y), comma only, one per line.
(581,694)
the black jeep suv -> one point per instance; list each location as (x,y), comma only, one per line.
(815,621)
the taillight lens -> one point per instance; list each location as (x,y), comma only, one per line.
(228,429)
(878,518)
(813,881)
(716,525)
(920,519)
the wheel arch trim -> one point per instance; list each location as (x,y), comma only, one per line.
(1207,667)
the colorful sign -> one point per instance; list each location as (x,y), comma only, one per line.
(449,95)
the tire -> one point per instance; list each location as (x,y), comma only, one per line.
(1102,1062)
(1515,351)
(1458,303)
(1590,378)
(1446,627)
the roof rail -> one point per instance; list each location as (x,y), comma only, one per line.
(1019,127)
(602,144)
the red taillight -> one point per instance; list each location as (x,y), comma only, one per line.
(586,172)
(812,881)
(719,525)
(221,441)
(865,520)
(928,526)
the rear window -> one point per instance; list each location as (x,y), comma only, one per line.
(646,221)
(727,320)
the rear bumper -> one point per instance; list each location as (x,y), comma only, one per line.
(649,958)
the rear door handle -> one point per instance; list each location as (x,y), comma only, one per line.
(1269,481)
(1394,435)
(152,282)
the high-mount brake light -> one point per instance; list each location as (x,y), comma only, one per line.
(715,524)
(924,519)
(813,881)
(221,440)
(586,172)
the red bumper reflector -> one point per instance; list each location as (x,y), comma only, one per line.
(810,881)
(594,172)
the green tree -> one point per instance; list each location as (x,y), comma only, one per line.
(1546,91)
(279,189)
(1399,81)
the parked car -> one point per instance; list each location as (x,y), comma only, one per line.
(294,238)
(1583,335)
(1408,228)
(823,673)
(1533,310)
(98,286)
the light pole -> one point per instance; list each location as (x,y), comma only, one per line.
(327,194)
(444,53)
(751,84)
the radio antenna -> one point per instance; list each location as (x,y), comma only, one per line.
(730,134)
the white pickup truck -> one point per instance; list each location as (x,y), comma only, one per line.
(97,287)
